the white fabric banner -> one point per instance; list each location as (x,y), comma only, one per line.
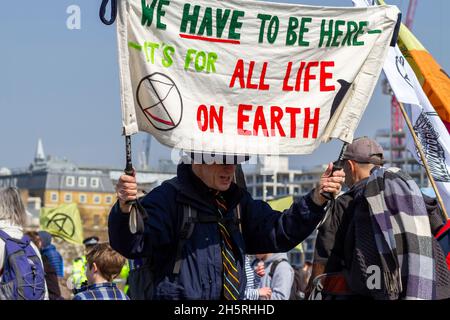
(248,77)
(427,124)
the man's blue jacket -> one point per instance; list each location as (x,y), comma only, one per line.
(263,231)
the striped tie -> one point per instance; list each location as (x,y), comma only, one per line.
(230,271)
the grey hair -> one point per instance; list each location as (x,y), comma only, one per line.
(11,206)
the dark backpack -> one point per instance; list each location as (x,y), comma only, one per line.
(23,274)
(297,287)
(140,279)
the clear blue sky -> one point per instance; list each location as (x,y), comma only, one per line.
(62,85)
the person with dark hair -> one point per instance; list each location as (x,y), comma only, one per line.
(103,266)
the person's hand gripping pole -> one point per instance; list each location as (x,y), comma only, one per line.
(127,194)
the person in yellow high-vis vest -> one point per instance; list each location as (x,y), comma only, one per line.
(79,272)
(78,276)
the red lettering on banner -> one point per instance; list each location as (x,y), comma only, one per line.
(311,121)
(299,75)
(306,73)
(293,112)
(241,118)
(208,120)
(275,120)
(238,73)
(324,75)
(217,118)
(262,85)
(260,121)
(202,118)
(251,85)
(287,87)
(276,116)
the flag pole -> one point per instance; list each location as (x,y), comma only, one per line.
(422,157)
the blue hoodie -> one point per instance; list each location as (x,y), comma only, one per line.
(55,259)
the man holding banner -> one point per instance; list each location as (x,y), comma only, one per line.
(211,264)
(234,79)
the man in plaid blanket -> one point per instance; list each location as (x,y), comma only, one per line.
(385,222)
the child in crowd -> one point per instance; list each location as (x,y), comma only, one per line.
(103,265)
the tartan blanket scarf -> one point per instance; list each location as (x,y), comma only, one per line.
(402,234)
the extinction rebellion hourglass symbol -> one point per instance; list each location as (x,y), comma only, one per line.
(160,100)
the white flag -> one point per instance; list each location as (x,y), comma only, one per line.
(248,77)
(427,124)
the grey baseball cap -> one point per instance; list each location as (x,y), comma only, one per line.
(365,150)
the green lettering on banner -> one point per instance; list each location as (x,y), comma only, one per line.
(149,11)
(168,52)
(303,30)
(150,57)
(291,36)
(362,24)
(272,34)
(263,18)
(326,33)
(221,21)
(200,61)
(352,28)
(211,66)
(134,45)
(189,18)
(206,23)
(161,13)
(203,61)
(235,24)
(337,32)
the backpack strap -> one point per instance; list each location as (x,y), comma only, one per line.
(21,242)
(274,266)
(187,227)
(4,236)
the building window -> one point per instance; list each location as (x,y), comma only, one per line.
(94,182)
(83,198)
(108,199)
(82,182)
(67,197)
(259,192)
(54,196)
(97,199)
(70,181)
